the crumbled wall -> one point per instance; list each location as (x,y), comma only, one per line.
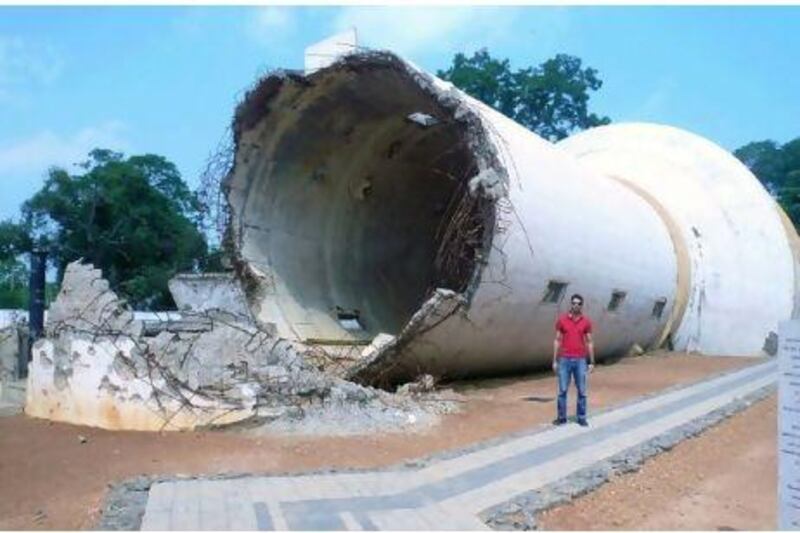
(87,304)
(13,338)
(98,366)
(206,292)
(9,353)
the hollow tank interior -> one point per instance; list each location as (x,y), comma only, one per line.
(357,199)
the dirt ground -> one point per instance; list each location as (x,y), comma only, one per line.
(724,479)
(50,479)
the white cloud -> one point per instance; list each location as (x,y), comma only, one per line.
(407,30)
(416,31)
(23,61)
(24,163)
(272,26)
(33,156)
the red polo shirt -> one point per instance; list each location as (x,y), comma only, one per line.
(573,331)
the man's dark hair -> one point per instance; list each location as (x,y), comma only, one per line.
(576,296)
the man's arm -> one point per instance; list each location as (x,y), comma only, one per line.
(556,348)
(590,346)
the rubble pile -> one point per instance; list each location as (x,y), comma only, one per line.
(99,365)
(8,353)
(13,335)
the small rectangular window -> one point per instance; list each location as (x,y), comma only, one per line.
(349,321)
(658,308)
(617,297)
(554,292)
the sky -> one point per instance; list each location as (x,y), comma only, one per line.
(165,80)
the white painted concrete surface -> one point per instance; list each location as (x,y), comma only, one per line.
(742,266)
(323,53)
(101,392)
(562,222)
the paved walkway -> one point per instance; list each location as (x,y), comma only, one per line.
(448,493)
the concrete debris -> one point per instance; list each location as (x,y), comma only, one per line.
(9,353)
(380,341)
(424,383)
(209,292)
(12,317)
(186,324)
(87,304)
(381,365)
(100,366)
(635,350)
(489,183)
(423,119)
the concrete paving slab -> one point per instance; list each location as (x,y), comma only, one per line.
(448,493)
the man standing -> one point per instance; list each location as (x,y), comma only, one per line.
(571,349)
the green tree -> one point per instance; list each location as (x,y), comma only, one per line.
(13,284)
(13,240)
(765,160)
(13,272)
(134,218)
(778,169)
(551,99)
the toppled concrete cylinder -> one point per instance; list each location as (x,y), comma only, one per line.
(460,237)
(738,252)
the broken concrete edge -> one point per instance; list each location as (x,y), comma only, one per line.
(489,186)
(378,369)
(9,353)
(97,310)
(125,504)
(218,292)
(520,512)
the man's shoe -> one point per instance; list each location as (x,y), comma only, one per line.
(583,423)
(559,421)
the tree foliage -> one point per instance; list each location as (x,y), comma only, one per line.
(551,99)
(778,168)
(135,218)
(13,284)
(13,239)
(14,290)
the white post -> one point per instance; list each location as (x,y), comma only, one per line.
(789,425)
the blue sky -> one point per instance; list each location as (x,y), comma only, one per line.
(165,80)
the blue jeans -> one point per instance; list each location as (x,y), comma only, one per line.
(576,367)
